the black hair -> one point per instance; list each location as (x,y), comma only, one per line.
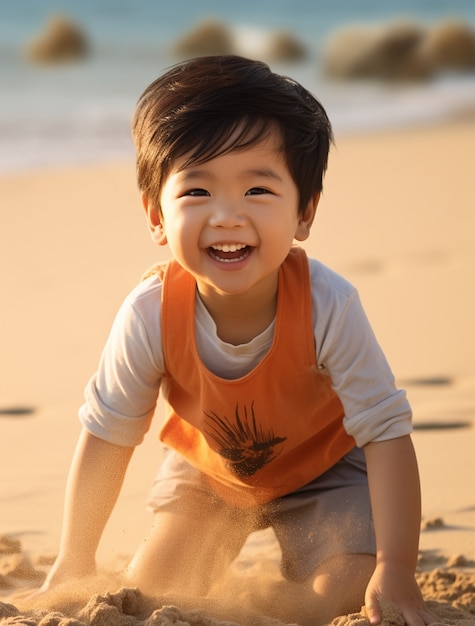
(208,106)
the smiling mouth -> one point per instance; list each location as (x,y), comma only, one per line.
(229,253)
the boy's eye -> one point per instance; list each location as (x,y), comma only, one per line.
(196,192)
(257,191)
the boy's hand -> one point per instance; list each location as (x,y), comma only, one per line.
(395,583)
(61,575)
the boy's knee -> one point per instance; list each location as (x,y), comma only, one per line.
(341,582)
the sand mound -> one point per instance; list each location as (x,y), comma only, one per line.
(449,592)
(128,607)
(455,606)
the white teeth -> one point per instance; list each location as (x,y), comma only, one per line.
(215,251)
(228,247)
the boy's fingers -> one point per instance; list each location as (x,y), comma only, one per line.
(422,618)
(374,612)
(412,618)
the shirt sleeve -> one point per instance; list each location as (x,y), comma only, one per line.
(121,397)
(347,350)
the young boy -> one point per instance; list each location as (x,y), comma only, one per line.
(282,410)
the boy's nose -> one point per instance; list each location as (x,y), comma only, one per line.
(227,215)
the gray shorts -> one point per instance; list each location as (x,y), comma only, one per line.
(331,515)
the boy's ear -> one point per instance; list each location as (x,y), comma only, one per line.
(306,219)
(154,221)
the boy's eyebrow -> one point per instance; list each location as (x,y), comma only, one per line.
(265,172)
(188,175)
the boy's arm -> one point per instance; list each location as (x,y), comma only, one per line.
(395,497)
(95,479)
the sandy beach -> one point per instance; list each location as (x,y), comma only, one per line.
(397,219)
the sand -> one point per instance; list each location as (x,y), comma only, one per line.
(397,219)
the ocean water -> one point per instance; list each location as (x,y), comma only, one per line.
(80,112)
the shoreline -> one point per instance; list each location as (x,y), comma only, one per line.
(462,115)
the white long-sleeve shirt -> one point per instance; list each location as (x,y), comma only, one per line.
(120,398)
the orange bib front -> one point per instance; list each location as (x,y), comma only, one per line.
(263,435)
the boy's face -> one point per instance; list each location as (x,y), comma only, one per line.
(230,222)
